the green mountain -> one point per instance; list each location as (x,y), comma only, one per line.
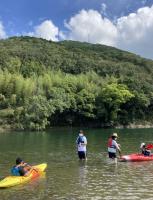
(44,83)
(68,56)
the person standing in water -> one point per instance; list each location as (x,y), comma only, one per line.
(113,146)
(82,146)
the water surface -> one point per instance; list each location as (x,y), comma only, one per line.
(69,179)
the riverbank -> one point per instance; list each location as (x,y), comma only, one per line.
(1,130)
(6,128)
(144,124)
(136,125)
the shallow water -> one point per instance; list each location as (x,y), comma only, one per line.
(67,178)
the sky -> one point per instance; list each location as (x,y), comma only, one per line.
(124,24)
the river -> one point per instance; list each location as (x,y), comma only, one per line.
(69,179)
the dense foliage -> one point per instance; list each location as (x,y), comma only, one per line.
(44,83)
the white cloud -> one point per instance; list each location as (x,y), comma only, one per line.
(91,26)
(2,31)
(104,9)
(46,30)
(133,32)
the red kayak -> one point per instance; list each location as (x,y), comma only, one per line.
(136,157)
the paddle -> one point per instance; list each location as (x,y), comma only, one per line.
(29,168)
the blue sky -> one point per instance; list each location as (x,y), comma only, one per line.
(125,24)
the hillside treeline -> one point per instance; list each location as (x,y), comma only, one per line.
(46,84)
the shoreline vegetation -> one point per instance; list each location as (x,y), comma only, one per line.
(8,128)
(45,84)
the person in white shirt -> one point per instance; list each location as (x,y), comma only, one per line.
(113,146)
(145,150)
(82,146)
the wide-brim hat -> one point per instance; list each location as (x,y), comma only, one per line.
(114,135)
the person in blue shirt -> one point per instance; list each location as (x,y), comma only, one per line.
(82,146)
(21,168)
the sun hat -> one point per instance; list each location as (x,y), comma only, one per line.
(114,135)
(142,145)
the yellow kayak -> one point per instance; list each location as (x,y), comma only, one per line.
(10,181)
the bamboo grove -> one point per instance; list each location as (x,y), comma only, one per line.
(45,84)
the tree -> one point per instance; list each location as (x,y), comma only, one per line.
(36,113)
(109,101)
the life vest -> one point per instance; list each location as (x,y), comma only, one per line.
(80,139)
(15,171)
(110,145)
(149,146)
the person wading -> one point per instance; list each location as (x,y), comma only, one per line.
(113,146)
(82,146)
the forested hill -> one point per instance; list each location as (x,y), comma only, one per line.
(30,56)
(44,83)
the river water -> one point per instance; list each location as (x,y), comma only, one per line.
(69,179)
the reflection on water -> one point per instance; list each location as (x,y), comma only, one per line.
(83,173)
(69,179)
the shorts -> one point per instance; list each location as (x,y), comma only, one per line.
(82,154)
(146,153)
(112,155)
